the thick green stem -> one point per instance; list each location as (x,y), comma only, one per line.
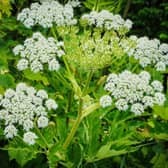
(66,65)
(72,132)
(81,113)
(87,83)
(74,127)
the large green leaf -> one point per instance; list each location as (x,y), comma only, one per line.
(55,154)
(161,111)
(108,150)
(21,152)
(6,81)
(158,130)
(3,64)
(76,154)
(38,77)
(110,5)
(160,161)
(61,126)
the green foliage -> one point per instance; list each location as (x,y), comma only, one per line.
(20,151)
(5,8)
(158,130)
(7,81)
(161,112)
(150,18)
(38,77)
(111,5)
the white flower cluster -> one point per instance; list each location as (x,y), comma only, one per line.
(133,91)
(150,52)
(48,13)
(24,107)
(37,51)
(107,20)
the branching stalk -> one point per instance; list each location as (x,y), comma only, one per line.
(42,137)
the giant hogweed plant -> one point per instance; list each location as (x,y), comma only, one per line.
(85,90)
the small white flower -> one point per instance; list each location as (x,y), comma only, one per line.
(3,114)
(29,22)
(122,104)
(60,53)
(110,87)
(29,138)
(54,65)
(144,61)
(105,101)
(22,64)
(36,66)
(128,24)
(37,100)
(159,98)
(10,131)
(60,44)
(30,91)
(148,101)
(18,49)
(21,87)
(149,90)
(42,94)
(9,93)
(5,103)
(164,48)
(27,124)
(137,109)
(160,66)
(145,75)
(51,104)
(112,78)
(133,37)
(42,122)
(157,85)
